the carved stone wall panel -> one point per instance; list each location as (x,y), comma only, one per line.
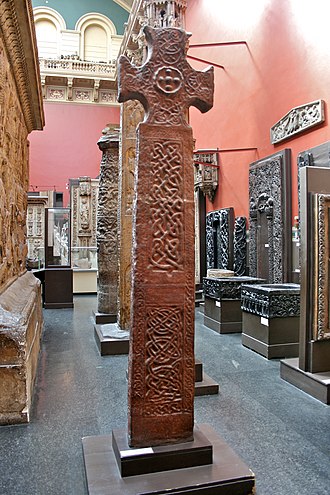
(321,303)
(84,200)
(132,114)
(14,177)
(270,218)
(36,225)
(107,224)
(219,239)
(240,246)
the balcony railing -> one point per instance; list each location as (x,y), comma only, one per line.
(68,67)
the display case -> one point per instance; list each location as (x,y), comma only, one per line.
(84,264)
(57,245)
(58,276)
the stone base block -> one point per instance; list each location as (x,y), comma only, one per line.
(20,334)
(227,474)
(315,384)
(102,318)
(111,340)
(204,385)
(223,316)
(273,337)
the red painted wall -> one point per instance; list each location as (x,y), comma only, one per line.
(67,148)
(285,64)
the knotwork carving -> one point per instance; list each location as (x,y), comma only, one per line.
(164,344)
(271,302)
(166,206)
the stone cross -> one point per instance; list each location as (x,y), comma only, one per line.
(161,358)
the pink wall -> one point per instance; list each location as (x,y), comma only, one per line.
(67,148)
(286,64)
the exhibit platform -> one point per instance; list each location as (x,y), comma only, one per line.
(227,474)
(315,384)
(111,340)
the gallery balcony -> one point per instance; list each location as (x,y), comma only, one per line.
(70,79)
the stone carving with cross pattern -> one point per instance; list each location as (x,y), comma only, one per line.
(161,358)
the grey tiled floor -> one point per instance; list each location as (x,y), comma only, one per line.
(282,434)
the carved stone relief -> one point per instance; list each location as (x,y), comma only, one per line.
(84,199)
(271,301)
(206,173)
(298,120)
(270,218)
(161,359)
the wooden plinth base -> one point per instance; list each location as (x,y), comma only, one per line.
(315,384)
(133,462)
(272,338)
(110,345)
(204,385)
(223,316)
(102,318)
(226,475)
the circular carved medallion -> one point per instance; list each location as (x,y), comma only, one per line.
(168,79)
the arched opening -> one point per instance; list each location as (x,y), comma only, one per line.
(47,38)
(95,44)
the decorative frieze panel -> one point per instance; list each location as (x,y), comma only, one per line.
(271,301)
(84,198)
(226,288)
(270,218)
(298,120)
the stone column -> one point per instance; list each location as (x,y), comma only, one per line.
(161,356)
(107,228)
(131,115)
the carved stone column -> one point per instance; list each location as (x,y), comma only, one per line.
(107,228)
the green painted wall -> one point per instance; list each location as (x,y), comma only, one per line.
(72,10)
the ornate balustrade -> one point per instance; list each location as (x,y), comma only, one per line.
(71,68)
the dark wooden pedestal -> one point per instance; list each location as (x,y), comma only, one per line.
(58,288)
(223,316)
(204,385)
(110,341)
(101,318)
(273,337)
(227,474)
(315,384)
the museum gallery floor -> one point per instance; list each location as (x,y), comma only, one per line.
(280,432)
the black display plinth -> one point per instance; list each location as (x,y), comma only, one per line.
(58,288)
(110,340)
(227,475)
(272,338)
(204,385)
(132,462)
(315,384)
(102,318)
(223,316)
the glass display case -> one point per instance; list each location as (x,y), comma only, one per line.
(57,238)
(84,258)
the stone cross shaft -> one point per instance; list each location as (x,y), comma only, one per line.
(161,358)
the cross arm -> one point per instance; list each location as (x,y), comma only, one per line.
(200,88)
(130,82)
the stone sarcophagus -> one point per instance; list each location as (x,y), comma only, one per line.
(20,294)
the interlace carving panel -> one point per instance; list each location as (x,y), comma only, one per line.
(164,361)
(166,205)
